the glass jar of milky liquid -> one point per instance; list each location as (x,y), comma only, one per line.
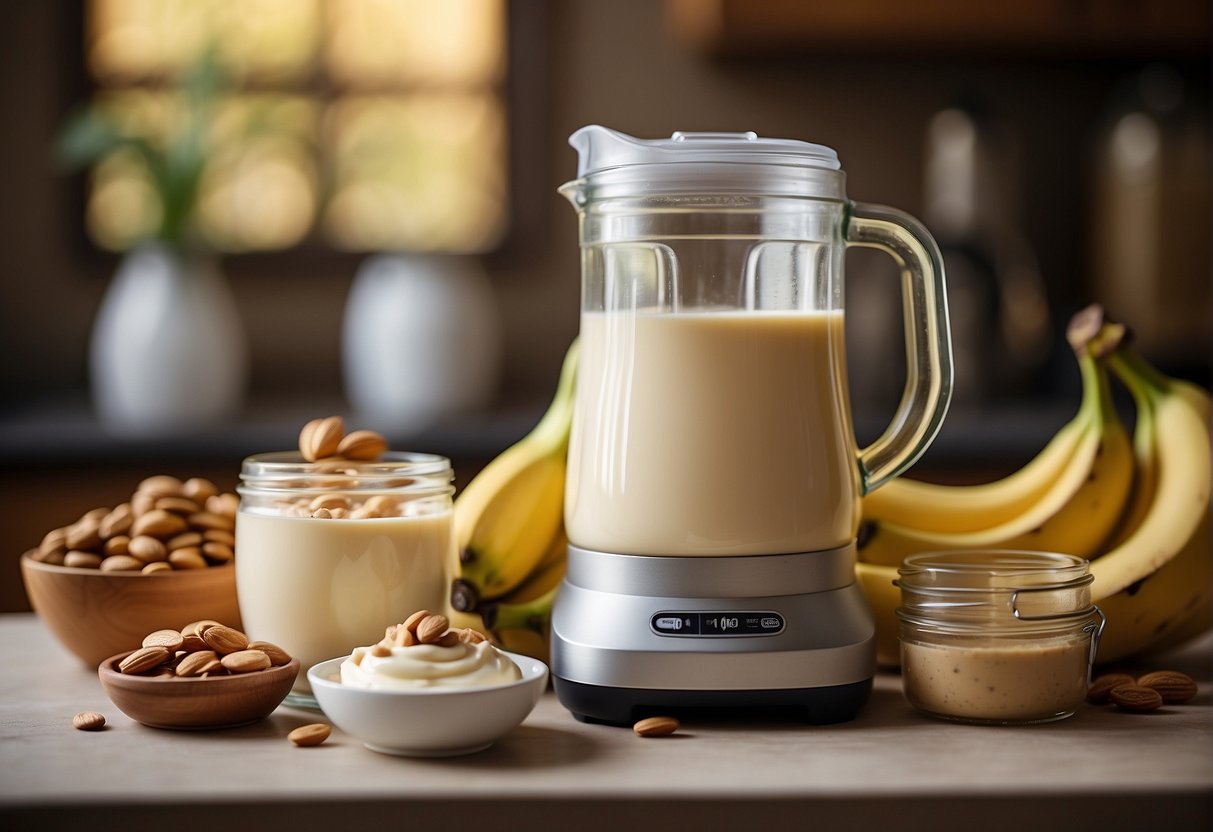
(333,552)
(997,637)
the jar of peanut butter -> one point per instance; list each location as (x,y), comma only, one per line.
(997,637)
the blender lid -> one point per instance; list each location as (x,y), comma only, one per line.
(704,162)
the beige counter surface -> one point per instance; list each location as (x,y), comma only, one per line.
(1102,769)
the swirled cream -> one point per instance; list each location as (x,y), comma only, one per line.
(461,665)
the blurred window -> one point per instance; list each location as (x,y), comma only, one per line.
(360,124)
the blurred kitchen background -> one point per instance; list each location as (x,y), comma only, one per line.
(221,218)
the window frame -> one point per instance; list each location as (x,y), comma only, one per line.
(526,97)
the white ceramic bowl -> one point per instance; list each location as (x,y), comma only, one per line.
(428,722)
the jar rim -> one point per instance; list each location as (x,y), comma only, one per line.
(399,471)
(994,562)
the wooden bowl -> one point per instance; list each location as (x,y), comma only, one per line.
(196,703)
(97,614)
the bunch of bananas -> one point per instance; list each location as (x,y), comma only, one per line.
(509,530)
(1139,509)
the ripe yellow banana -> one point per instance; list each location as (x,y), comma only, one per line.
(1154,584)
(969,508)
(509,514)
(526,643)
(1152,580)
(547,574)
(1075,514)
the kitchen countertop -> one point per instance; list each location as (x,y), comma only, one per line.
(1102,769)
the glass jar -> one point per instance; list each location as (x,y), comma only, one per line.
(997,637)
(333,552)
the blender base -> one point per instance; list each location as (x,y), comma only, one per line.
(637,635)
(625,706)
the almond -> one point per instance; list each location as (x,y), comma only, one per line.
(449,639)
(469,636)
(224,640)
(322,514)
(363,445)
(85,533)
(210,520)
(431,628)
(309,735)
(1100,692)
(144,659)
(168,639)
(1136,698)
(192,643)
(195,664)
(159,524)
(177,505)
(246,661)
(196,628)
(117,521)
(82,560)
(278,656)
(121,563)
(142,503)
(161,485)
(117,545)
(219,536)
(188,558)
(321,437)
(157,566)
(185,540)
(147,549)
(88,721)
(1173,686)
(382,505)
(656,726)
(53,558)
(413,620)
(198,489)
(225,505)
(54,541)
(217,552)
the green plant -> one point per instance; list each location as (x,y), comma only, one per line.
(175,164)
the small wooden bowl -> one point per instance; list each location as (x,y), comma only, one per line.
(95,614)
(195,704)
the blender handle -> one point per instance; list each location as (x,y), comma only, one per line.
(928,389)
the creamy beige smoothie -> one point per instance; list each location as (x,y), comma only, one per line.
(321,587)
(712,433)
(997,682)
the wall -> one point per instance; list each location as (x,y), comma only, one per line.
(611,63)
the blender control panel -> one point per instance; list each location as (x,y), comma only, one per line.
(717,623)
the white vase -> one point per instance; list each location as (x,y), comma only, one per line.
(168,350)
(421,340)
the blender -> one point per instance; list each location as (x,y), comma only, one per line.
(714,480)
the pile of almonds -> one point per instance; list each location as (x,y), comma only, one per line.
(422,627)
(325,442)
(202,649)
(167,524)
(326,439)
(1146,693)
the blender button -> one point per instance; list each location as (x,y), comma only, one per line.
(670,624)
(771,623)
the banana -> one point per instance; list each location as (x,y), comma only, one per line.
(1154,584)
(535,614)
(970,508)
(548,573)
(1075,514)
(508,516)
(1153,576)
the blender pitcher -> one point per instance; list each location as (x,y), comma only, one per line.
(713,489)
